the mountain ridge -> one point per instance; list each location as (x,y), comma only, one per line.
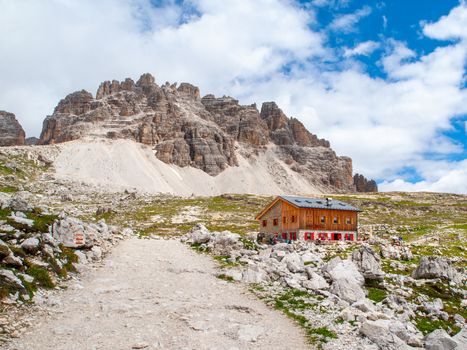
(209,133)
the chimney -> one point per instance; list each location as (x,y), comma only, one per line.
(328,202)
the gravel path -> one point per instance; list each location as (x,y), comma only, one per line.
(158,294)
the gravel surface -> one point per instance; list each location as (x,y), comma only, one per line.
(158,294)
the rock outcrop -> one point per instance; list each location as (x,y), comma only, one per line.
(362,184)
(11,132)
(436,267)
(187,130)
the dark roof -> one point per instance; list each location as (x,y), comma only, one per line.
(318,203)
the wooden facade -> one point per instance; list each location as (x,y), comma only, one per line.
(285,220)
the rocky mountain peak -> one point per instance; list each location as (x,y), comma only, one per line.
(11,132)
(362,184)
(205,133)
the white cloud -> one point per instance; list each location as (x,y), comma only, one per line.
(347,23)
(452,26)
(452,178)
(59,46)
(52,48)
(365,49)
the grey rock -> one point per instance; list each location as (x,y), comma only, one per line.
(379,332)
(439,340)
(30,245)
(315,282)
(18,203)
(12,260)
(436,267)
(347,289)
(368,263)
(338,269)
(461,339)
(73,233)
(365,305)
(197,235)
(293,262)
(8,278)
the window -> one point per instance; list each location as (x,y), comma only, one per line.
(336,220)
(323,219)
(348,221)
(284,220)
(293,218)
(275,222)
(265,223)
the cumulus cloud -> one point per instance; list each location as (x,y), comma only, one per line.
(347,23)
(452,179)
(52,48)
(365,49)
(452,26)
(56,47)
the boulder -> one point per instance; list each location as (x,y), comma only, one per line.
(30,245)
(461,339)
(5,199)
(440,340)
(347,289)
(19,203)
(197,235)
(431,267)
(368,263)
(8,278)
(315,282)
(338,269)
(365,305)
(379,332)
(293,262)
(73,233)
(223,243)
(13,261)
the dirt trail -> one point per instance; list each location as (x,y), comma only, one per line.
(158,294)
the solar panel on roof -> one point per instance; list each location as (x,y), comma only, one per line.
(309,201)
(319,202)
(342,204)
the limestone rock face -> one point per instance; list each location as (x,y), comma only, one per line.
(186,129)
(11,132)
(362,184)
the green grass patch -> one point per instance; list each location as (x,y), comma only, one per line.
(8,189)
(321,334)
(41,221)
(427,325)
(376,294)
(41,276)
(224,277)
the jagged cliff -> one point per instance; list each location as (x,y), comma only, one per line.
(186,130)
(11,132)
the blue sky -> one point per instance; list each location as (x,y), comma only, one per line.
(384,81)
(400,20)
